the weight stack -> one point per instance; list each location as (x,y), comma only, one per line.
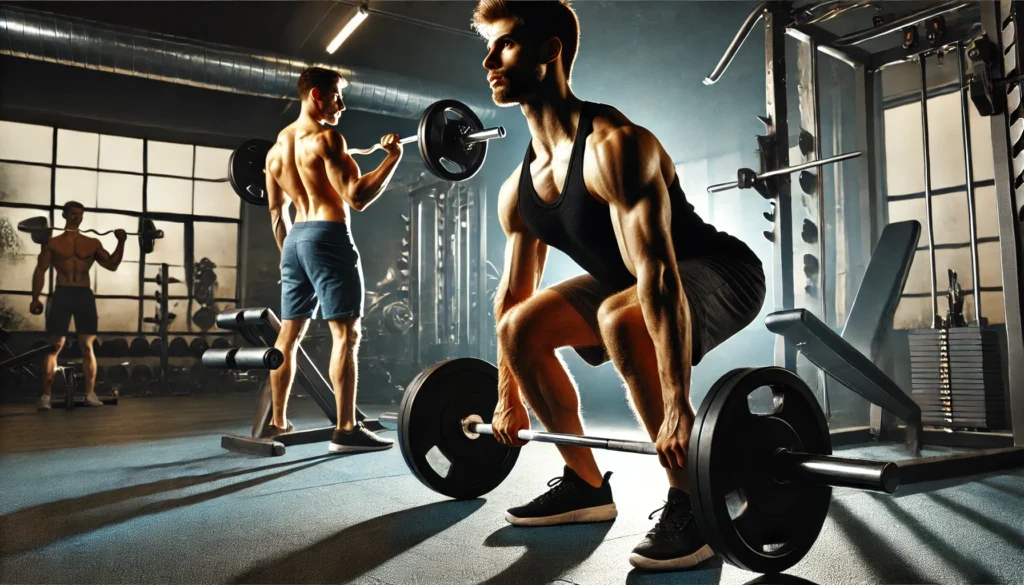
(956,378)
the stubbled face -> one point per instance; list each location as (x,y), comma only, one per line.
(329,104)
(74,217)
(514,66)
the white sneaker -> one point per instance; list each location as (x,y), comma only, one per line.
(44,403)
(92,400)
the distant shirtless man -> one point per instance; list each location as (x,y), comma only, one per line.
(72,255)
(311,166)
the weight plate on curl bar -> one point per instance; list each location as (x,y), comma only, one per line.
(441,145)
(430,429)
(245,171)
(752,520)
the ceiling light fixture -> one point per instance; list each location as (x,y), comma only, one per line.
(353,23)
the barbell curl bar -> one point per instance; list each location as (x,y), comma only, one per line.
(452,150)
(41,231)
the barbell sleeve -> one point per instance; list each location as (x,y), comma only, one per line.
(863,474)
(719,187)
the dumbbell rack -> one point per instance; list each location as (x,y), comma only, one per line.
(162,280)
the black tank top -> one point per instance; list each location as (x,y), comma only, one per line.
(580,225)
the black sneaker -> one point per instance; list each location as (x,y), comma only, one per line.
(674,542)
(358,440)
(569,501)
(270,431)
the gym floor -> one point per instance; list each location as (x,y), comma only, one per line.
(142,492)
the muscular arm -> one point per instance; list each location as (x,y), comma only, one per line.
(359,191)
(276,202)
(525,256)
(39,276)
(108,260)
(629,175)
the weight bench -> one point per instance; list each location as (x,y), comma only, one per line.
(848,357)
(259,328)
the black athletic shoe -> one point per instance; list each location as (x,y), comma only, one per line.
(674,542)
(358,440)
(569,501)
(270,431)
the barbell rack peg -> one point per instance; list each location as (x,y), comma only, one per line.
(746,177)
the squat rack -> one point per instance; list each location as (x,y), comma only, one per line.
(861,212)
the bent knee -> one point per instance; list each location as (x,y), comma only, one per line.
(621,323)
(523,332)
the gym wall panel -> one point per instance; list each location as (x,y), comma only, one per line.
(945,141)
(904,155)
(171,248)
(16,242)
(216,199)
(167,158)
(169,195)
(226,279)
(117,314)
(74,185)
(913,313)
(218,242)
(123,281)
(121,154)
(211,163)
(102,222)
(16,274)
(19,319)
(78,149)
(985,210)
(120,191)
(179,307)
(24,184)
(26,142)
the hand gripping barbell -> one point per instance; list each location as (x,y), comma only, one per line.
(776,468)
(41,232)
(452,149)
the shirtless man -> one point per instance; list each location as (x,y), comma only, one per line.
(72,255)
(662,288)
(310,166)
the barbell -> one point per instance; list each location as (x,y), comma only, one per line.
(452,149)
(760,483)
(41,232)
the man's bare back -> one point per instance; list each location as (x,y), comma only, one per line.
(72,256)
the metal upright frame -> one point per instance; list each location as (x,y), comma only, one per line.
(1009,171)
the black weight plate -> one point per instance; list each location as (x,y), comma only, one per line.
(439,140)
(139,347)
(177,347)
(753,521)
(197,347)
(205,318)
(245,171)
(156,347)
(430,429)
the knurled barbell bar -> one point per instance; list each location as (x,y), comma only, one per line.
(41,232)
(452,149)
(747,178)
(775,467)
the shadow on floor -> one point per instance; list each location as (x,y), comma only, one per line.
(54,521)
(871,547)
(970,570)
(550,551)
(782,579)
(710,571)
(1006,489)
(1010,534)
(179,463)
(362,547)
